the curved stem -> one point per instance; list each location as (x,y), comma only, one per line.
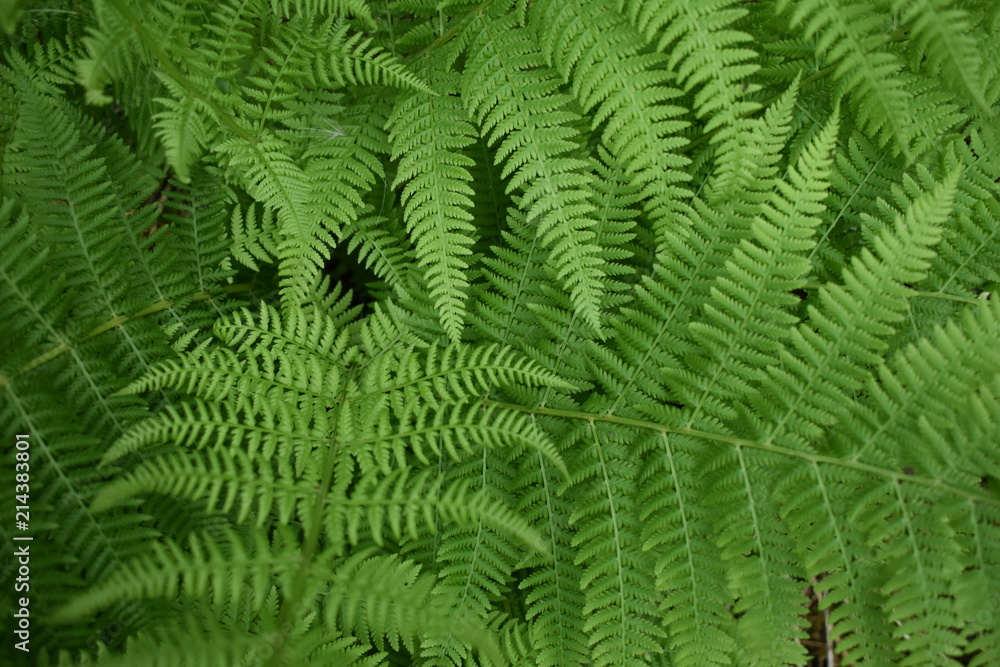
(120,320)
(767,446)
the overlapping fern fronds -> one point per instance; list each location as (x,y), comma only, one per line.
(503,333)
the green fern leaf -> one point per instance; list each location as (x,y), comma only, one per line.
(629,92)
(504,88)
(431,131)
(944,36)
(849,32)
(902,258)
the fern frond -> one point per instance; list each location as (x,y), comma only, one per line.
(205,645)
(277,182)
(849,33)
(755,295)
(63,185)
(324,648)
(431,130)
(981,554)
(627,91)
(355,60)
(559,333)
(504,87)
(513,277)
(340,8)
(912,397)
(838,560)
(224,479)
(403,499)
(554,600)
(630,372)
(385,597)
(344,166)
(705,51)
(199,240)
(189,115)
(902,258)
(222,569)
(253,242)
(181,127)
(952,364)
(458,371)
(966,260)
(109,46)
(29,310)
(199,424)
(863,175)
(689,570)
(745,167)
(921,563)
(944,40)
(476,560)
(620,611)
(315,334)
(63,489)
(762,570)
(274,81)
(521,304)
(463,428)
(381,247)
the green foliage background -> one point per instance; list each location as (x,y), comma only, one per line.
(557,333)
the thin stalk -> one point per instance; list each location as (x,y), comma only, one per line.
(120,320)
(766,446)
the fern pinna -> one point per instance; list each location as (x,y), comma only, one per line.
(503,333)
